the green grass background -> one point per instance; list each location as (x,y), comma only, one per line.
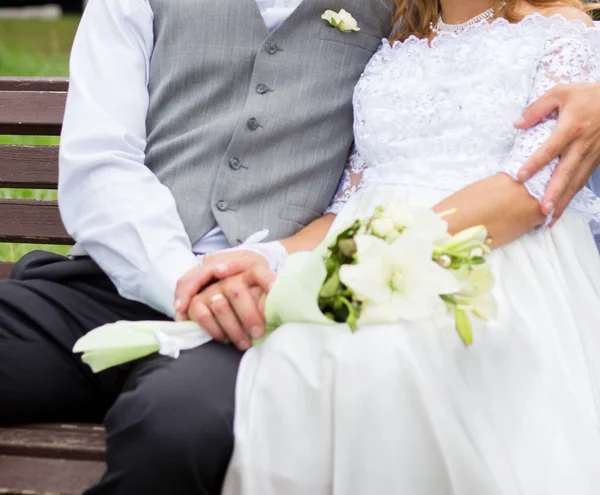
(37,48)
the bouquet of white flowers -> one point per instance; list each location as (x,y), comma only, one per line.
(399,264)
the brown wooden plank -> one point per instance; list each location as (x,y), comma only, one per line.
(5,270)
(31,112)
(34,167)
(33,476)
(35,222)
(79,427)
(84,443)
(34,84)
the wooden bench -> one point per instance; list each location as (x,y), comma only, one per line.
(39,459)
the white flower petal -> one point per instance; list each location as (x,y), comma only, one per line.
(399,213)
(371,247)
(444,280)
(369,280)
(380,313)
(411,248)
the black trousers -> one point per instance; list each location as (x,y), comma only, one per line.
(169,422)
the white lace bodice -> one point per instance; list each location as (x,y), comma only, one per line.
(441,116)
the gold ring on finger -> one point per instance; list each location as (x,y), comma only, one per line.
(216,298)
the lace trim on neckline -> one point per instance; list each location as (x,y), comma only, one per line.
(570,26)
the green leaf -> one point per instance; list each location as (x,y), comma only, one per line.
(463,326)
(331,285)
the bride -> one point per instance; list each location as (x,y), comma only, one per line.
(406,408)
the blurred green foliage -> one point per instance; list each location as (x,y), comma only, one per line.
(33,48)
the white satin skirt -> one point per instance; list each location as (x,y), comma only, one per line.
(407,409)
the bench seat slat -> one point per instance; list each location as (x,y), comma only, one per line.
(31,222)
(79,442)
(32,167)
(31,112)
(34,476)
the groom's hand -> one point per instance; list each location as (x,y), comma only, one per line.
(576,140)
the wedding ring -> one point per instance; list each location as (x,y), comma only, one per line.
(216,298)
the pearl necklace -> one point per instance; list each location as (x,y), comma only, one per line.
(459,28)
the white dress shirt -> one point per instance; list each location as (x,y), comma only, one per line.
(110,202)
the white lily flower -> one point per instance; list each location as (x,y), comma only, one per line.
(400,214)
(384,228)
(341,20)
(419,220)
(475,294)
(397,281)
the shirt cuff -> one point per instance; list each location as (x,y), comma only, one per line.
(160,282)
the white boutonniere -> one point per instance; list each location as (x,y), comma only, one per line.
(341,20)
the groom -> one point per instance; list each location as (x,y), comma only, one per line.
(190,125)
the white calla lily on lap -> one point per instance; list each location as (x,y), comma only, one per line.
(398,281)
(125,341)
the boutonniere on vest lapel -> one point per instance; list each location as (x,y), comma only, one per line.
(341,20)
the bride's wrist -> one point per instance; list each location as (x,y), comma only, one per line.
(274,252)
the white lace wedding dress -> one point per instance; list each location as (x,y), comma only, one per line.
(407,409)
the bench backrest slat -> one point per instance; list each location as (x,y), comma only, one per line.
(59,84)
(31,222)
(30,106)
(31,112)
(32,167)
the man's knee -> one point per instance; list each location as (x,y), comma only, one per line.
(171,422)
(174,427)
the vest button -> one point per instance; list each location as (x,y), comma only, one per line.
(253,124)
(261,89)
(235,163)
(271,47)
(222,205)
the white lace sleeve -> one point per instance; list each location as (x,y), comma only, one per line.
(572,57)
(351,182)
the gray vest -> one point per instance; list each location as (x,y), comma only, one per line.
(251,130)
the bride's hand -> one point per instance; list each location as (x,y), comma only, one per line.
(500,203)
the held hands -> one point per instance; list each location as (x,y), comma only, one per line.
(231,308)
(576,140)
